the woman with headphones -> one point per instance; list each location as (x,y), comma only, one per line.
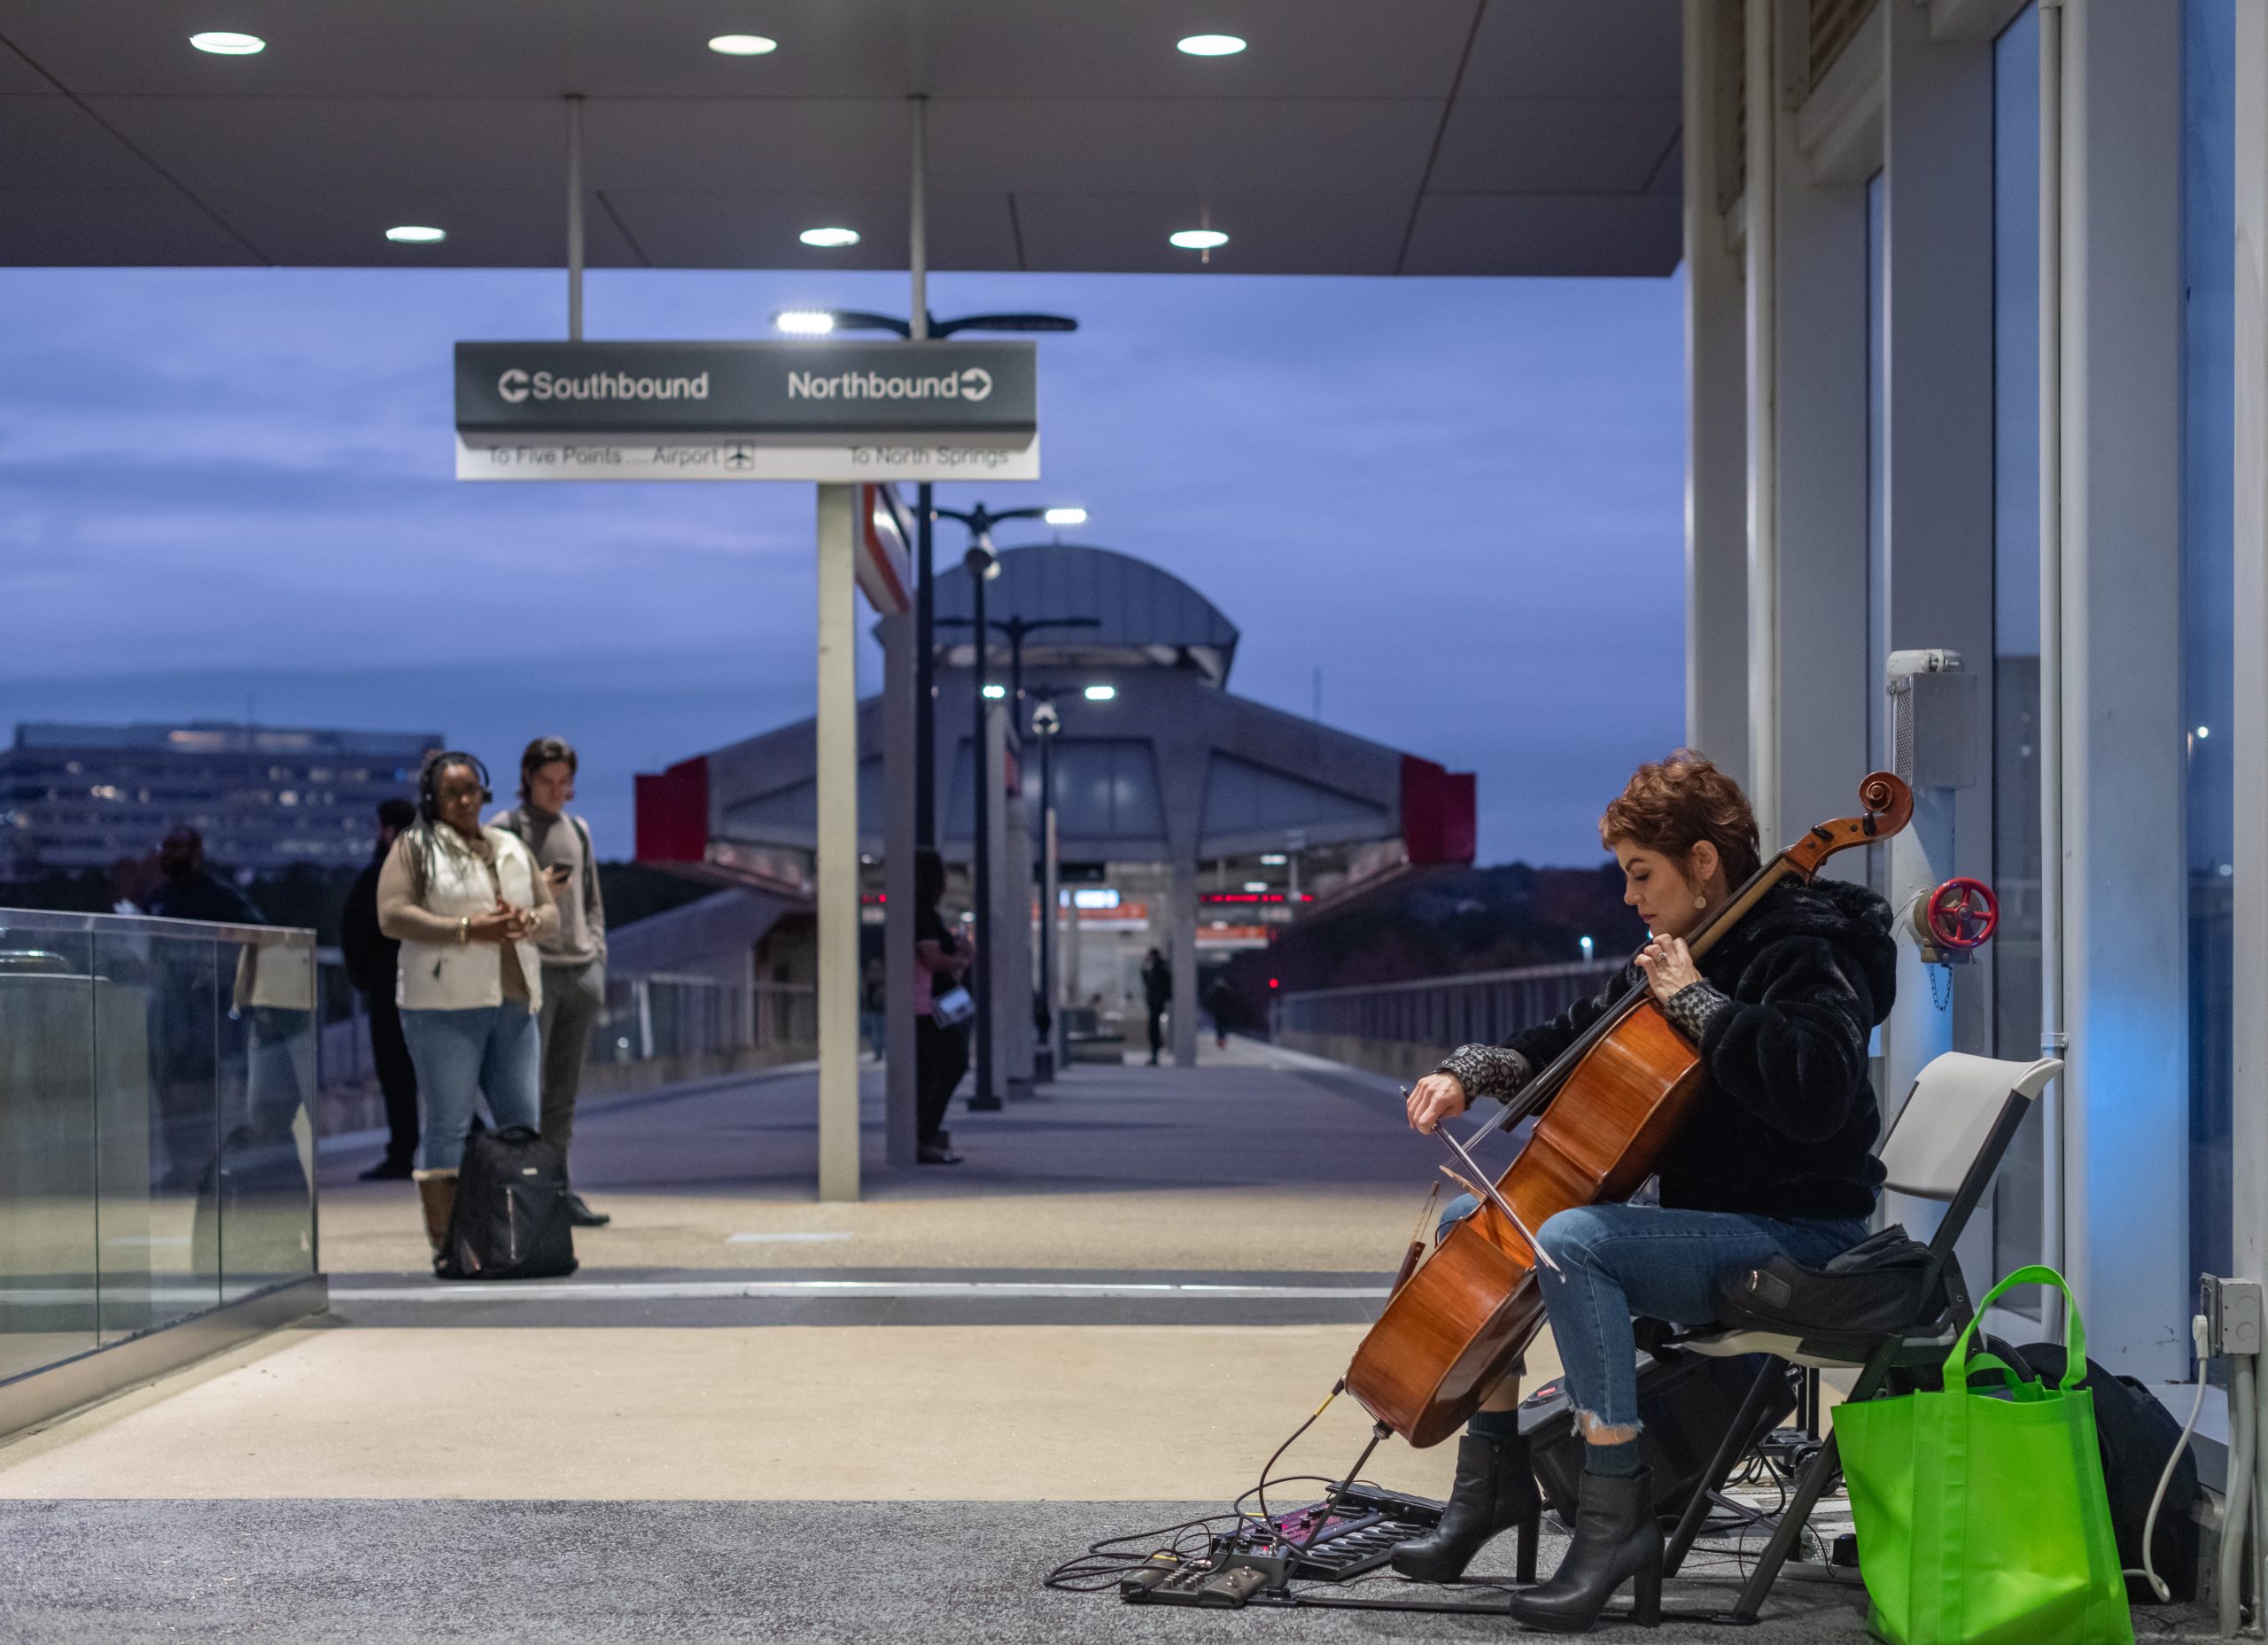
(468,904)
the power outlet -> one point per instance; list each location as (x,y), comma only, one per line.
(2232,1315)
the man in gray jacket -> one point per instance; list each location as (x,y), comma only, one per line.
(574,958)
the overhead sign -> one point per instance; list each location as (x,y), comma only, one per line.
(803,410)
(884,560)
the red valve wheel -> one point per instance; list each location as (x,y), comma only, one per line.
(1963,913)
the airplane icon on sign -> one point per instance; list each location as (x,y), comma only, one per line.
(739,456)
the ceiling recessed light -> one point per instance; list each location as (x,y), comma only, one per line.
(743,45)
(222,42)
(1212,45)
(829,236)
(1198,239)
(416,233)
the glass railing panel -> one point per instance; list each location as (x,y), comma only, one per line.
(47,1145)
(264,1188)
(157,1113)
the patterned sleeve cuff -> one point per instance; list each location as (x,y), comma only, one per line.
(1487,1070)
(1692,1007)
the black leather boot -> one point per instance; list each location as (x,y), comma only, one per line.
(1495,1491)
(1617,1538)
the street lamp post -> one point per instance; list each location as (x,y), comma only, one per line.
(980,521)
(1015,628)
(982,565)
(1045,723)
(825,323)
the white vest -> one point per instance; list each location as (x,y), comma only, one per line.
(454,976)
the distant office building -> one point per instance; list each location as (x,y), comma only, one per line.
(265,797)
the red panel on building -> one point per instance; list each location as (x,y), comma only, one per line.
(1437,812)
(673,813)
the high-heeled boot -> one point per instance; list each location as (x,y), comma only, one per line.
(436,1193)
(1617,1539)
(1495,1491)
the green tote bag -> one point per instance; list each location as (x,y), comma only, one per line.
(1981,1513)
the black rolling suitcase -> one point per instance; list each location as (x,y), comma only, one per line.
(510,1220)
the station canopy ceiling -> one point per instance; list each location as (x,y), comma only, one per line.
(1350,137)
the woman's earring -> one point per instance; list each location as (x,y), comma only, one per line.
(1700,901)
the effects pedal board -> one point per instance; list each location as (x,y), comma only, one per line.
(1360,1535)
(1263,1556)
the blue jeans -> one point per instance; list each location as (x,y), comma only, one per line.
(492,1050)
(1621,1261)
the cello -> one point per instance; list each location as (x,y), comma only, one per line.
(1610,1103)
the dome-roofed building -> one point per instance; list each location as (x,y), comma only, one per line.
(1189,818)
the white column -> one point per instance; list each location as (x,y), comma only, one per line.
(2053,1041)
(1716,384)
(1818,656)
(2126,1091)
(1759,218)
(837,875)
(2251,1026)
(900,1122)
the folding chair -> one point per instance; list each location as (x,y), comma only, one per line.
(1945,1145)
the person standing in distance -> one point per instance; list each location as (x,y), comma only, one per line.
(372,958)
(574,956)
(1157,994)
(469,905)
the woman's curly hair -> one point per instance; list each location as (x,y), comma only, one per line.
(1672,805)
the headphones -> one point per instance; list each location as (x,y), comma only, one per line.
(429,798)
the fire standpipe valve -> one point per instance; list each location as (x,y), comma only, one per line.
(1954,920)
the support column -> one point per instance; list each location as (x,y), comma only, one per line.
(1716,380)
(837,868)
(575,217)
(1183,957)
(1820,689)
(899,1127)
(2127,1090)
(1013,977)
(1760,215)
(2250,889)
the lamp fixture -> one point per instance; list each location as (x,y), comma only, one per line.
(1101,693)
(226,43)
(743,45)
(1198,239)
(1273,860)
(1065,516)
(996,692)
(1256,885)
(829,238)
(1210,45)
(416,233)
(805,322)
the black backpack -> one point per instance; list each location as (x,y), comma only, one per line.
(2136,1435)
(1873,1288)
(511,1219)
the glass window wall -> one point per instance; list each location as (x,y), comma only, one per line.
(2015,951)
(2207,597)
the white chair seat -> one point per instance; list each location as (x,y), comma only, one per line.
(1731,1345)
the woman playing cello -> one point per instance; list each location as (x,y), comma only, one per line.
(1775,1157)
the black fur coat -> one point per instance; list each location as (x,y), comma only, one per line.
(1786,1127)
